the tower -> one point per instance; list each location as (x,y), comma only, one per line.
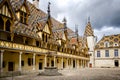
(36,3)
(90,38)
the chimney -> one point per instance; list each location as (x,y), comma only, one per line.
(36,3)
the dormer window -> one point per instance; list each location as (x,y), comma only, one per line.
(23,15)
(5,18)
(115,44)
(106,44)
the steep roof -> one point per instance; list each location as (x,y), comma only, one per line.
(88,30)
(111,39)
(36,21)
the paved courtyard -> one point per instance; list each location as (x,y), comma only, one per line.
(75,74)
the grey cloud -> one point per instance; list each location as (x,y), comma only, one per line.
(102,12)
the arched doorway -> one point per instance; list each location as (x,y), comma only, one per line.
(8,24)
(1,24)
(116,62)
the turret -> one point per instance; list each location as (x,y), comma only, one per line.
(90,38)
(89,34)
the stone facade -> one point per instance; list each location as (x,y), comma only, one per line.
(107,51)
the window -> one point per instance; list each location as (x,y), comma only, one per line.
(1,24)
(4,64)
(115,44)
(106,44)
(98,53)
(22,63)
(26,42)
(37,43)
(9,38)
(58,48)
(106,53)
(30,61)
(116,52)
(46,38)
(8,25)
(43,36)
(23,17)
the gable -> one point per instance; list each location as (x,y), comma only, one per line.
(4,10)
(23,9)
(46,29)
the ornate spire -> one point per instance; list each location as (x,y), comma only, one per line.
(65,23)
(88,29)
(48,9)
(76,31)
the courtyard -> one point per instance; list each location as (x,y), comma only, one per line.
(75,74)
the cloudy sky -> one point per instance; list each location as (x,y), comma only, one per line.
(104,14)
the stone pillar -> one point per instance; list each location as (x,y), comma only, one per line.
(62,63)
(81,63)
(20,59)
(67,63)
(77,64)
(49,62)
(1,60)
(45,61)
(54,61)
(34,61)
(71,63)
(85,62)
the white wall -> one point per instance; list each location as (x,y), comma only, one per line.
(103,61)
(91,43)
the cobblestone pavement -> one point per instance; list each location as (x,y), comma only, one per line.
(75,74)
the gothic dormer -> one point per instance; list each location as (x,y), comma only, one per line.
(7,15)
(88,29)
(46,28)
(23,13)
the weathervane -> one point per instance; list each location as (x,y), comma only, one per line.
(89,19)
